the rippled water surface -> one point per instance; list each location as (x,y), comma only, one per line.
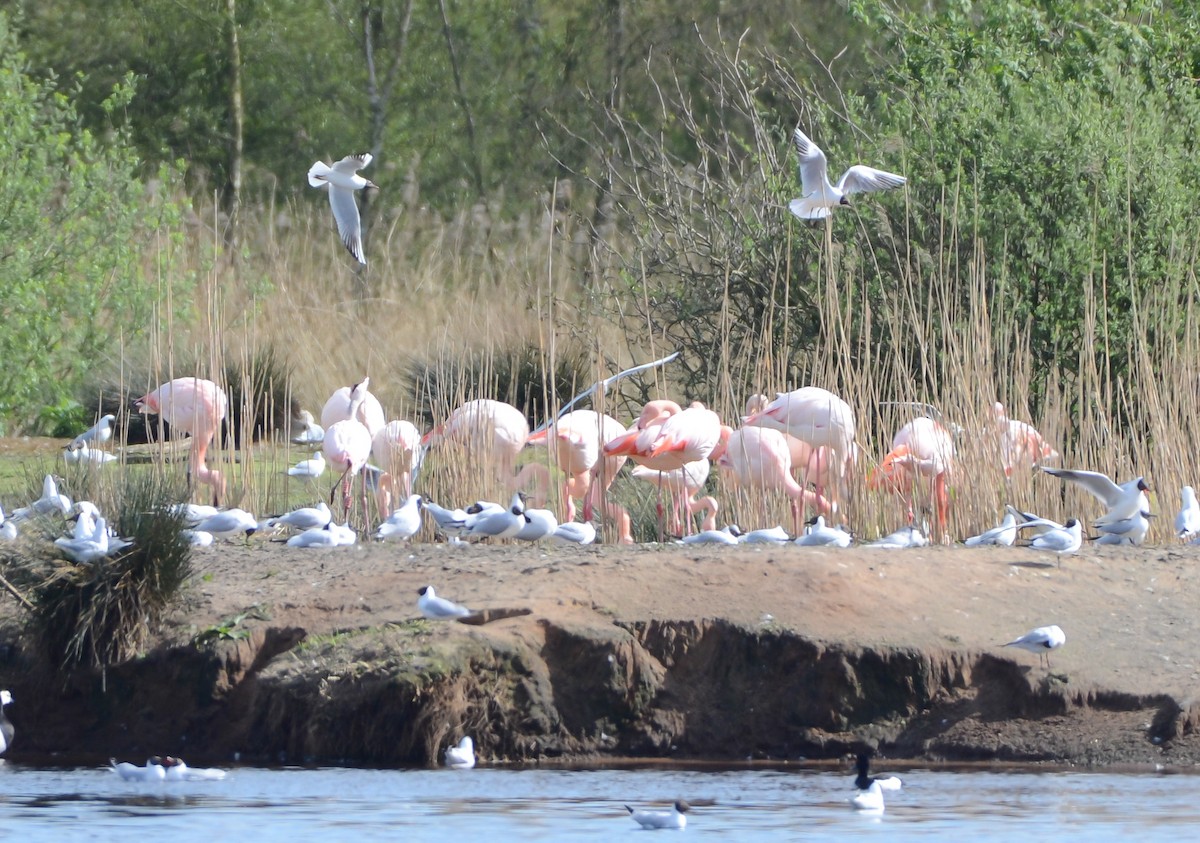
(740,805)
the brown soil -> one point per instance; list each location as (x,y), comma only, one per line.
(690,651)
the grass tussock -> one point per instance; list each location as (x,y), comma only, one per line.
(100,614)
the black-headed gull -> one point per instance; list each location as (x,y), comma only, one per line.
(503,524)
(819,196)
(342,180)
(767,535)
(197,538)
(304,518)
(910,536)
(1131,531)
(152,772)
(1067,538)
(83,455)
(228,523)
(192,513)
(178,771)
(87,548)
(1123,500)
(575,532)
(1003,535)
(97,434)
(461,757)
(819,534)
(7,731)
(307,432)
(439,608)
(1041,641)
(314,466)
(870,792)
(864,779)
(729,534)
(331,535)
(403,523)
(674,818)
(51,502)
(539,524)
(1187,522)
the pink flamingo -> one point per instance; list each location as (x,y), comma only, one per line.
(347,446)
(1020,442)
(369,411)
(810,466)
(488,430)
(684,484)
(821,419)
(577,439)
(666,438)
(758,457)
(395,448)
(920,448)
(194,407)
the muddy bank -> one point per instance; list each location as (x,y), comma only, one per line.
(659,653)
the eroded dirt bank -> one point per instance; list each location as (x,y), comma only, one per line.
(653,652)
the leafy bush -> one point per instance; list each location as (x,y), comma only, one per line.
(74,213)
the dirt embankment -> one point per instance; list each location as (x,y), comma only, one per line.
(768,652)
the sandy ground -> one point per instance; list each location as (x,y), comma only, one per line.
(1130,614)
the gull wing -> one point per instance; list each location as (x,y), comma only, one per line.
(345,213)
(1097,484)
(863,179)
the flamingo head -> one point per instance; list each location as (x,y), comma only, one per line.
(148,403)
(718,451)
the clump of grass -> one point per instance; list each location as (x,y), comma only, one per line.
(260,398)
(96,615)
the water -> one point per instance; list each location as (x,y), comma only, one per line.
(332,804)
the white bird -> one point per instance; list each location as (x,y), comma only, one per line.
(313,467)
(820,197)
(404,523)
(1065,539)
(910,536)
(7,730)
(83,455)
(1187,522)
(8,531)
(304,518)
(315,537)
(88,548)
(1003,535)
(1128,531)
(770,535)
(729,534)
(674,818)
(50,502)
(97,434)
(229,523)
(820,535)
(193,513)
(1123,500)
(132,773)
(1041,641)
(178,771)
(310,433)
(461,757)
(438,608)
(870,790)
(197,538)
(504,524)
(539,523)
(342,180)
(575,532)
(448,521)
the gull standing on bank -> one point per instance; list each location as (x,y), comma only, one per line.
(439,608)
(342,180)
(1041,641)
(1187,522)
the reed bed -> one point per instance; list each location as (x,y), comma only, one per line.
(441,292)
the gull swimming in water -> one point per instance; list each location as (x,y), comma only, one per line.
(178,771)
(439,608)
(461,757)
(674,818)
(7,731)
(820,197)
(342,180)
(1041,641)
(1003,535)
(152,772)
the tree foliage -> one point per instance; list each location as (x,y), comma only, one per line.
(72,209)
